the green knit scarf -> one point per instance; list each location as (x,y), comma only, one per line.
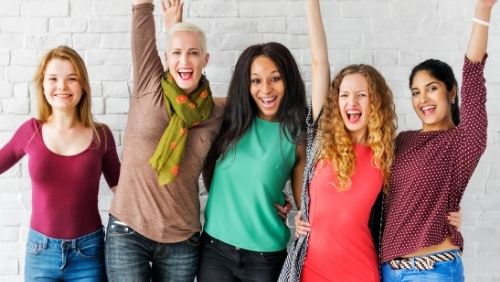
(185,111)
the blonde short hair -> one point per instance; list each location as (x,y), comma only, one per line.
(190,27)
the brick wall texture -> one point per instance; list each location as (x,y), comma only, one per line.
(392,35)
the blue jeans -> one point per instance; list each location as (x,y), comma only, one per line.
(221,262)
(446,271)
(49,259)
(133,257)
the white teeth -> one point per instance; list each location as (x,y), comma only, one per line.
(268,100)
(426,108)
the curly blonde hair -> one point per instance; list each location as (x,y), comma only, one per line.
(335,141)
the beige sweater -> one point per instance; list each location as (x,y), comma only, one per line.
(163,214)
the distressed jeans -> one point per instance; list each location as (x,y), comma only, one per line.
(131,257)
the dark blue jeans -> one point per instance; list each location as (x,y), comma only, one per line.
(133,257)
(222,262)
(50,259)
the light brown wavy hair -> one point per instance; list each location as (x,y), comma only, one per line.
(335,141)
(84,107)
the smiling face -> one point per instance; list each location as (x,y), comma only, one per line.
(267,87)
(186,59)
(354,106)
(431,102)
(61,86)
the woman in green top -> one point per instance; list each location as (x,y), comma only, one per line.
(256,152)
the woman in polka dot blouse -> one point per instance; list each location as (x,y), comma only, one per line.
(433,165)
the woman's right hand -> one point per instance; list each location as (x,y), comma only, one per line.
(302,228)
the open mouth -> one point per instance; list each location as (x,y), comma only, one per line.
(353,116)
(427,110)
(185,74)
(268,102)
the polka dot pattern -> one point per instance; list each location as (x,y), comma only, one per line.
(431,171)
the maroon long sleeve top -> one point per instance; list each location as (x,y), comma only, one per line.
(431,171)
(64,188)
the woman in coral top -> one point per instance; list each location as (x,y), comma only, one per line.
(351,130)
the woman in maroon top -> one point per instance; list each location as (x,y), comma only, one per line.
(68,151)
(433,165)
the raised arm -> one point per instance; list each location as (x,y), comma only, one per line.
(147,65)
(319,52)
(478,40)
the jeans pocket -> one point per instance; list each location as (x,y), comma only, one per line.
(34,248)
(117,229)
(194,240)
(91,251)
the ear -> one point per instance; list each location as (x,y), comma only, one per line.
(453,94)
(207,56)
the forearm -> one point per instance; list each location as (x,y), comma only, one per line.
(478,40)
(319,53)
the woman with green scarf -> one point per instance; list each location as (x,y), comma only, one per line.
(154,225)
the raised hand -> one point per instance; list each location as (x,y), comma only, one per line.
(172,12)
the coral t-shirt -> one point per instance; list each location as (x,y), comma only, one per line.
(340,246)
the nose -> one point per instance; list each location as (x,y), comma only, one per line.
(61,84)
(183,58)
(352,99)
(423,96)
(266,87)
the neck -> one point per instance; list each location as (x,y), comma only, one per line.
(444,125)
(64,120)
(359,138)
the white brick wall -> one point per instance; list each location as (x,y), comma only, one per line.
(392,35)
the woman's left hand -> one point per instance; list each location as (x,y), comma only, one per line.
(172,12)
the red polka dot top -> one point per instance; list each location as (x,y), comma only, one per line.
(431,171)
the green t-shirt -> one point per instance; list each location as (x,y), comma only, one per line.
(247,182)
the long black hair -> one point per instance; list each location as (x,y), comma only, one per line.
(444,73)
(241,110)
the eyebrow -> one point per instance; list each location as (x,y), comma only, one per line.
(432,82)
(275,71)
(55,74)
(356,91)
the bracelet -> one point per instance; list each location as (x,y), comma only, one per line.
(481,22)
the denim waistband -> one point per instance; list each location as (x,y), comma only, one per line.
(79,242)
(206,236)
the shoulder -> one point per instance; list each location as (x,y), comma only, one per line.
(31,125)
(220,101)
(218,108)
(103,130)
